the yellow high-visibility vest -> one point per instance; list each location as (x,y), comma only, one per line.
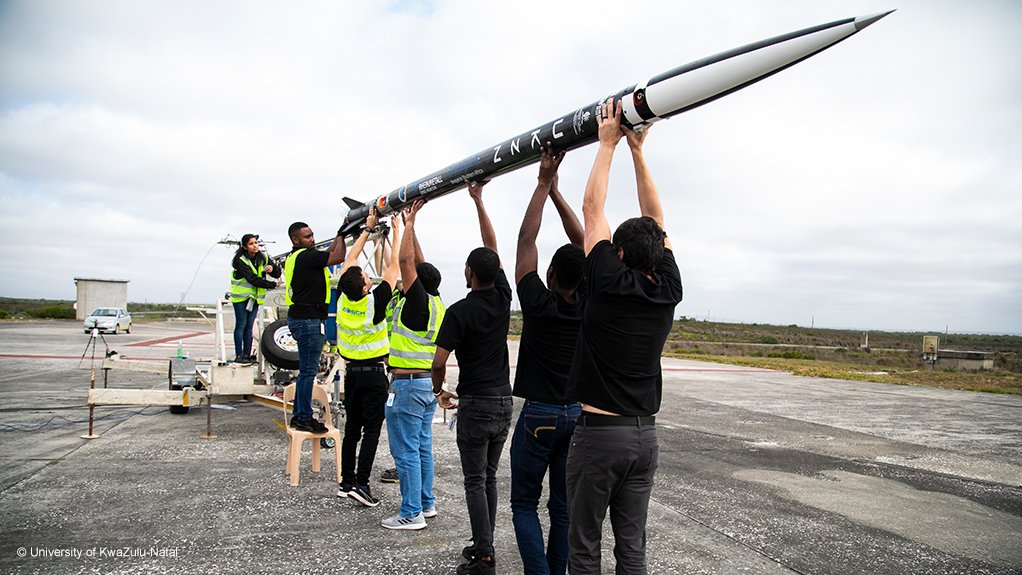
(241,290)
(410,349)
(357,336)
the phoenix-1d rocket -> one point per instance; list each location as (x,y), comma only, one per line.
(657,98)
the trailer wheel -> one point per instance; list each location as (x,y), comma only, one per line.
(178,408)
(278,347)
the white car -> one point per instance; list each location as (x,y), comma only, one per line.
(111,319)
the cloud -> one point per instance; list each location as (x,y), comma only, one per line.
(873,185)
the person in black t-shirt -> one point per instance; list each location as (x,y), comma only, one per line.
(308,295)
(632,287)
(362,342)
(476,327)
(550,323)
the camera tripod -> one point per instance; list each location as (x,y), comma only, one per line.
(92,345)
(92,370)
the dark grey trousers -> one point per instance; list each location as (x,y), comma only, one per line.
(483,424)
(610,468)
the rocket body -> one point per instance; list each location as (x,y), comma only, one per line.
(657,98)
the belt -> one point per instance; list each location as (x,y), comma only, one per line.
(597,420)
(419,375)
(365,368)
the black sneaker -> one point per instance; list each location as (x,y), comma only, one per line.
(317,425)
(362,494)
(478,566)
(304,424)
(343,489)
(241,360)
(389,476)
(252,359)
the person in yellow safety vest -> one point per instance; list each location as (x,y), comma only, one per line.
(308,299)
(417,320)
(362,342)
(248,289)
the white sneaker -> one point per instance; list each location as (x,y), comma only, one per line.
(399,522)
(429,512)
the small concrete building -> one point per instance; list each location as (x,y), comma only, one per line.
(93,293)
(965,360)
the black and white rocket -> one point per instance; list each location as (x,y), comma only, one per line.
(657,98)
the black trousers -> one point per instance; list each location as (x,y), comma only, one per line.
(483,424)
(611,468)
(365,396)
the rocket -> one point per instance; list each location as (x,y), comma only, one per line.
(658,98)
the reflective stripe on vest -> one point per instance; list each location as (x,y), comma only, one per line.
(411,349)
(241,290)
(395,299)
(289,270)
(357,336)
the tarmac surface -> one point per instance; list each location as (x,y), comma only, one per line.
(761,472)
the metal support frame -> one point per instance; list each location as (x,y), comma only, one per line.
(373,254)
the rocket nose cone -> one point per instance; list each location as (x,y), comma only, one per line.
(863,21)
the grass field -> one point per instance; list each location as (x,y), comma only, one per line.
(891,357)
(997,381)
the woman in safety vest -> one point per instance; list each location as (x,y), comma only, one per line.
(248,289)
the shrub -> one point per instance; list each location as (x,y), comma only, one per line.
(769,339)
(52,312)
(790,354)
(4,314)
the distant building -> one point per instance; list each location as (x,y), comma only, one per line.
(953,359)
(965,360)
(93,293)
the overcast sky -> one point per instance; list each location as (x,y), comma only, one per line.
(877,185)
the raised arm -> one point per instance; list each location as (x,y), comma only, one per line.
(392,267)
(527,259)
(475,189)
(595,199)
(419,258)
(649,197)
(569,220)
(337,250)
(409,243)
(360,242)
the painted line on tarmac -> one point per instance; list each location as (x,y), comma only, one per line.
(151,342)
(725,370)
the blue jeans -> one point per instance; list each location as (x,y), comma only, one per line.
(244,319)
(540,441)
(483,423)
(308,334)
(410,432)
